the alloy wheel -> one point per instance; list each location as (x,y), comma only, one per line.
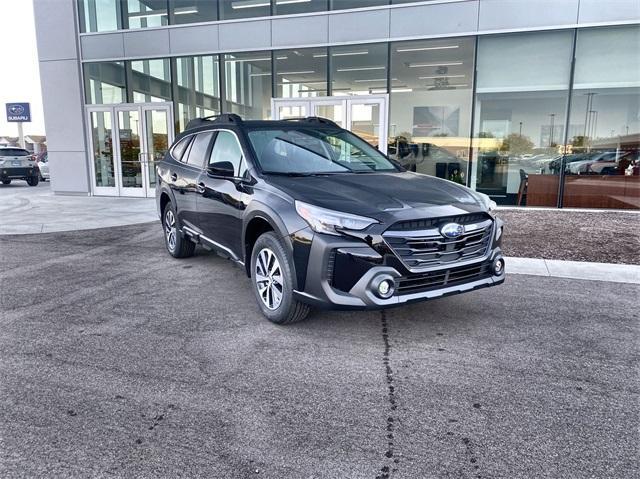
(269,279)
(170,229)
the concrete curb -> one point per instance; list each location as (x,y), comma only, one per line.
(616,273)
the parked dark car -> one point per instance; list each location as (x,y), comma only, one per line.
(318,217)
(18,164)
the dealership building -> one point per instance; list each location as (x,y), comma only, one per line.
(534,102)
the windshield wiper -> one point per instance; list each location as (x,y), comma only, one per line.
(290,173)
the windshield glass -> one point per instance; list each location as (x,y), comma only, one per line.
(300,150)
(13,152)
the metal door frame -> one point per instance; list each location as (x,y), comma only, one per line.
(143,157)
(347,102)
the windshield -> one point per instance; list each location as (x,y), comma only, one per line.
(13,152)
(300,150)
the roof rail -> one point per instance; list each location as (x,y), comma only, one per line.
(208,120)
(313,119)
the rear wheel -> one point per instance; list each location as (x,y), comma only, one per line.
(177,245)
(272,278)
(32,181)
(6,182)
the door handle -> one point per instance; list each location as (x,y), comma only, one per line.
(174,176)
(200,188)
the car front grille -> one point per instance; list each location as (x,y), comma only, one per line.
(419,283)
(424,248)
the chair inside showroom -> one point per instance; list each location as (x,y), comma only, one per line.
(524,182)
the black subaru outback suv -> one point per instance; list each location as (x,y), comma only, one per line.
(318,217)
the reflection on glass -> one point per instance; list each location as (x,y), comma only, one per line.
(146,13)
(104,83)
(301,72)
(602,167)
(151,80)
(98,15)
(359,69)
(102,148)
(248,84)
(198,88)
(522,90)
(157,140)
(193,11)
(230,9)
(129,137)
(431,98)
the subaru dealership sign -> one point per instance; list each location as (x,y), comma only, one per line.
(18,112)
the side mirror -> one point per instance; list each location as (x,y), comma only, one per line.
(221,168)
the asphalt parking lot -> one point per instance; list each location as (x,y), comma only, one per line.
(119,361)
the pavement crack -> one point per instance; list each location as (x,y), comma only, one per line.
(390,460)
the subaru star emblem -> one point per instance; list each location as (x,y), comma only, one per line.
(16,109)
(452,230)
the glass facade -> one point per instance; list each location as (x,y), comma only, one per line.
(107,15)
(520,112)
(508,114)
(601,167)
(431,103)
(359,69)
(198,88)
(248,84)
(301,72)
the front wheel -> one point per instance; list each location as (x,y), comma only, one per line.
(32,181)
(6,182)
(177,245)
(272,279)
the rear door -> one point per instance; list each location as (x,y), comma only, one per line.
(184,177)
(222,200)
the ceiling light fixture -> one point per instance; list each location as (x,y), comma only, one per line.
(240,59)
(442,64)
(288,2)
(422,49)
(249,4)
(360,69)
(185,12)
(297,73)
(440,76)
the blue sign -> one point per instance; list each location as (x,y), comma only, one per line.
(18,112)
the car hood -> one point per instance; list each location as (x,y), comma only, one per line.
(380,195)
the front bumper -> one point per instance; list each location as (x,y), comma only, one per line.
(343,273)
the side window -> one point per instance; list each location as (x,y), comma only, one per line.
(180,147)
(227,148)
(199,148)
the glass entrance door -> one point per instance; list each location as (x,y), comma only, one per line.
(126,142)
(366,116)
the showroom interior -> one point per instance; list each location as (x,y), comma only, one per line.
(535,108)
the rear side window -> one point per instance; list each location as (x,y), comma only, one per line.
(198,150)
(13,152)
(180,147)
(227,148)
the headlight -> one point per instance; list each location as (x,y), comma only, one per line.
(489,204)
(326,221)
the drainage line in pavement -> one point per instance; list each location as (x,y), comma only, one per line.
(386,470)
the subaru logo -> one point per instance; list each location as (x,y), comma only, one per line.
(16,109)
(452,230)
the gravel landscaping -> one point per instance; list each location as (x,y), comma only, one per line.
(598,236)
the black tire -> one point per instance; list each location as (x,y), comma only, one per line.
(6,182)
(288,310)
(32,181)
(179,246)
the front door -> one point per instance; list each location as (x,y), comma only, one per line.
(366,116)
(126,142)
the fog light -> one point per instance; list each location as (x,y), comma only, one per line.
(498,266)
(384,286)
